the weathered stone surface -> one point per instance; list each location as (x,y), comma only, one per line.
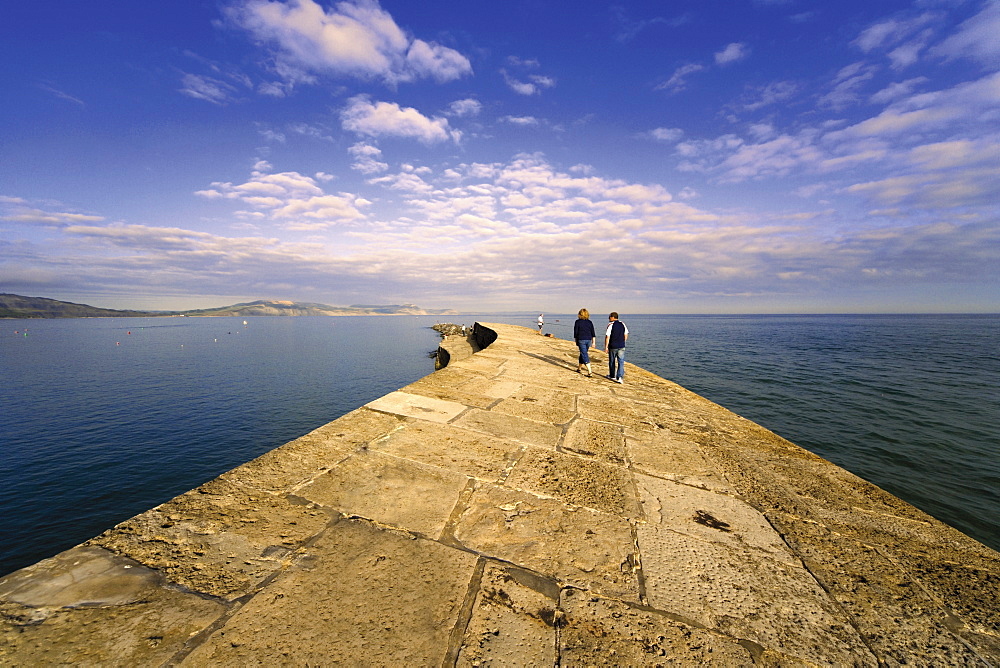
(460,387)
(613,409)
(449,447)
(672,457)
(716,518)
(507,511)
(415,405)
(219,539)
(360,596)
(541,406)
(602,632)
(891,610)
(746,594)
(509,426)
(389,490)
(597,439)
(575,545)
(513,621)
(495,389)
(87,606)
(577,480)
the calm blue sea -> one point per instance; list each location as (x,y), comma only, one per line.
(101,419)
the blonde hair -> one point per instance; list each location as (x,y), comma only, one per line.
(584,313)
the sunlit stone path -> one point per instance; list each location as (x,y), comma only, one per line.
(507,511)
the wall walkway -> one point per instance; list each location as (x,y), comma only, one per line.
(506,510)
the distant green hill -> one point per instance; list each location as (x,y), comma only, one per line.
(264,307)
(17,306)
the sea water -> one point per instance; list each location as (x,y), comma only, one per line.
(101,419)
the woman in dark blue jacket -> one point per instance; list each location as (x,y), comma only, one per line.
(584,335)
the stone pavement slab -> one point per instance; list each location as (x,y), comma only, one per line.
(449,447)
(389,490)
(606,632)
(359,596)
(416,405)
(571,544)
(513,621)
(576,480)
(87,606)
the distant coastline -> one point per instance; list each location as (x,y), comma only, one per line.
(19,306)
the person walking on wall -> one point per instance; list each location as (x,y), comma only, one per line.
(541,321)
(614,343)
(584,335)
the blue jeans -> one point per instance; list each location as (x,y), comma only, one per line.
(616,355)
(584,345)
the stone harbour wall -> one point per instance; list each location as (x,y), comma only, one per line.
(507,510)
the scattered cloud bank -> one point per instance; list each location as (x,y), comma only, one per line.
(295,201)
(531,231)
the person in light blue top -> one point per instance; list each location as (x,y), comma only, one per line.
(614,343)
(584,335)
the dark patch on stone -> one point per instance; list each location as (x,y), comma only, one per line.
(706,519)
(553,618)
(275,552)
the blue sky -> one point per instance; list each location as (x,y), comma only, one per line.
(703,156)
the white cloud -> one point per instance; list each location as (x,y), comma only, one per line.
(777,157)
(272,135)
(957,153)
(667,134)
(762,131)
(909,53)
(207,88)
(976,38)
(289,197)
(772,93)
(887,33)
(533,86)
(32,215)
(367,159)
(427,59)
(61,95)
(947,175)
(521,120)
(732,53)
(379,119)
(628,28)
(678,80)
(966,104)
(466,107)
(527,83)
(354,38)
(846,86)
(701,155)
(897,90)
